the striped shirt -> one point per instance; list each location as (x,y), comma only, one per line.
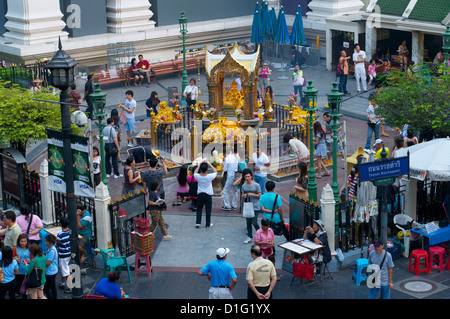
(353,183)
(64,244)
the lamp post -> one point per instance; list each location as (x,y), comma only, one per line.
(446,44)
(62,69)
(183,30)
(99,101)
(335,103)
(311,102)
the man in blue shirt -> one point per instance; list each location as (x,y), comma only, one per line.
(219,272)
(267,203)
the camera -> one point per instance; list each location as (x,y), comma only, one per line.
(79,118)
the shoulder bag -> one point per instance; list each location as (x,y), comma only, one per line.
(112,148)
(276,227)
(29,225)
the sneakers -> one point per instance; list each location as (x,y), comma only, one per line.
(247,240)
(225,208)
(167,236)
(233,207)
(197,225)
(116,176)
(210,225)
(108,175)
(130,145)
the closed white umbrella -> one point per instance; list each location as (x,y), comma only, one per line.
(429,159)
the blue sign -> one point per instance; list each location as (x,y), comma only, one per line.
(384,168)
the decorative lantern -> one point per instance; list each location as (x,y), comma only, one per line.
(62,68)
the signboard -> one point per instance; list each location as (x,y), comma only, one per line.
(384,168)
(56,181)
(83,184)
(10,175)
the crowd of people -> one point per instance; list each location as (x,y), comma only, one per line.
(30,264)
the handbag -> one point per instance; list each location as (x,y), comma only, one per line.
(23,286)
(2,274)
(34,278)
(276,227)
(303,269)
(248,210)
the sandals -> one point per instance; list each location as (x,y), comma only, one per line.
(328,174)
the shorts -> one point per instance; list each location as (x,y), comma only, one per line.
(219,293)
(64,266)
(263,83)
(131,125)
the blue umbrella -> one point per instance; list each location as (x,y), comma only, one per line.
(274,21)
(297,33)
(256,27)
(282,37)
(267,26)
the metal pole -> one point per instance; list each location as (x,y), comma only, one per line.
(312,183)
(335,184)
(77,292)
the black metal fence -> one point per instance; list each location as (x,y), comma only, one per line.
(31,192)
(122,214)
(302,214)
(24,75)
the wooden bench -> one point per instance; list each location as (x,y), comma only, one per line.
(191,63)
(104,77)
(163,67)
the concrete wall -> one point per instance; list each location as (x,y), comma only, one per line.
(167,12)
(84,17)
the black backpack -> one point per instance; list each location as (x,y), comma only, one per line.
(339,70)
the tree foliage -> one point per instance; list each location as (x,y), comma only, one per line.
(419,98)
(23,119)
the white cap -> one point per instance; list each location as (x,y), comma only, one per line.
(378,141)
(221,252)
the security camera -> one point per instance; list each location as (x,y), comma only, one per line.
(79,118)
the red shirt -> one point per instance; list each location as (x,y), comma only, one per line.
(143,65)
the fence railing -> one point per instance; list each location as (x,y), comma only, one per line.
(122,214)
(24,75)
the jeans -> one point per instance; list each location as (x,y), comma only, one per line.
(50,287)
(370,131)
(252,221)
(385,292)
(226,191)
(111,158)
(343,83)
(262,182)
(203,199)
(298,90)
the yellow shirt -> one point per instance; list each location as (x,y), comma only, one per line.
(260,271)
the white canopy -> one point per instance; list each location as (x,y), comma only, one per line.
(429,159)
(248,61)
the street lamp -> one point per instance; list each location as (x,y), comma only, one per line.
(183,30)
(99,101)
(62,68)
(311,102)
(446,43)
(335,103)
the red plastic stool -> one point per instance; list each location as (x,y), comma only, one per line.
(438,252)
(138,264)
(415,264)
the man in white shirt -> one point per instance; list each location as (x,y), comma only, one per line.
(204,192)
(297,147)
(359,58)
(230,166)
(130,108)
(261,165)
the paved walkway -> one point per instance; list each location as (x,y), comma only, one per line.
(176,261)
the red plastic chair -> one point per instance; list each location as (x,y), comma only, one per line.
(93,297)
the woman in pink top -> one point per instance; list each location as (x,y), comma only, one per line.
(27,218)
(265,238)
(183,186)
(263,78)
(371,70)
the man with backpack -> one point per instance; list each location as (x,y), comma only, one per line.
(383,259)
(342,72)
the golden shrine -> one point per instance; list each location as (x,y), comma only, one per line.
(240,65)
